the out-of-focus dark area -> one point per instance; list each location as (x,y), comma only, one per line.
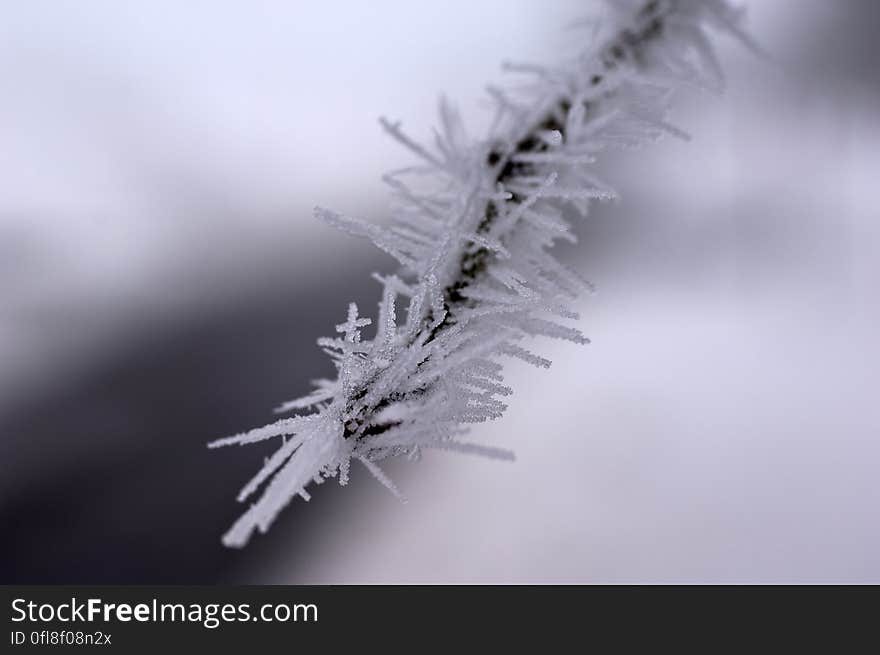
(162,283)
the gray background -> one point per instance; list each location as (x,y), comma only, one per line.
(162,283)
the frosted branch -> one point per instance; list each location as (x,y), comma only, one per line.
(474,239)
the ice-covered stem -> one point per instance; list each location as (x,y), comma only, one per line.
(473,236)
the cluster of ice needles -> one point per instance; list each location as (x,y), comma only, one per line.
(473,229)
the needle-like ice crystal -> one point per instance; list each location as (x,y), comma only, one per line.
(473,228)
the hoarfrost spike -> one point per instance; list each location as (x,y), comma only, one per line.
(473,237)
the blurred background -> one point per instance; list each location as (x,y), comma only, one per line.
(162,283)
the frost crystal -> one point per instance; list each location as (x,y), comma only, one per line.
(472,228)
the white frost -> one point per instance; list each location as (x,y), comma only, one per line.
(473,238)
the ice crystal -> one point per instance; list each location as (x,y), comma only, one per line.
(473,227)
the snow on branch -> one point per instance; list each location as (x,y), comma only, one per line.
(474,242)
